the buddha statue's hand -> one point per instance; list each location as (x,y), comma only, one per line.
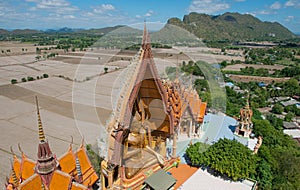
(159,157)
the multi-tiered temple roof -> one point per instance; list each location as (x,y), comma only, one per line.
(72,171)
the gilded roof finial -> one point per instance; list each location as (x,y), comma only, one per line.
(70,148)
(41,131)
(82,142)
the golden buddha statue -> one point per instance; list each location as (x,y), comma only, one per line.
(137,152)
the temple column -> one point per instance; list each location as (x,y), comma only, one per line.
(192,127)
(174,144)
(110,179)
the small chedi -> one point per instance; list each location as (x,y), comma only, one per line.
(144,127)
(245,124)
(72,171)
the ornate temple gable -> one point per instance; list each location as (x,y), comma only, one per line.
(141,123)
(140,94)
(145,84)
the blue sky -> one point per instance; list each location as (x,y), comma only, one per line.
(45,14)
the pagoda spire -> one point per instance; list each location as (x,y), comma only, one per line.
(144,40)
(248,100)
(46,163)
(41,130)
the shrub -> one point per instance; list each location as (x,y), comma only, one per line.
(24,79)
(30,78)
(105,69)
(14,81)
(45,75)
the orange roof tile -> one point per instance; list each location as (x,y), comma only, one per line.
(182,173)
(33,182)
(203,109)
(67,162)
(27,167)
(60,180)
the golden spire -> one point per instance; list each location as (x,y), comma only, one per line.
(144,34)
(248,100)
(41,131)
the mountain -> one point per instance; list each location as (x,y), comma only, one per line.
(64,30)
(231,26)
(101,31)
(3,32)
(25,31)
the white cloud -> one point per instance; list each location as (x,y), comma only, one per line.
(46,4)
(208,6)
(108,7)
(292,3)
(103,8)
(289,3)
(149,13)
(239,0)
(289,18)
(276,5)
(264,12)
(69,17)
(59,6)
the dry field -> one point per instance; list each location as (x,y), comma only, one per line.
(18,48)
(267,80)
(238,67)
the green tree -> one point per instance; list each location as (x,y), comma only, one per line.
(289,116)
(277,109)
(281,153)
(276,122)
(229,157)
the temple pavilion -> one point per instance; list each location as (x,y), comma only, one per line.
(144,127)
(71,171)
